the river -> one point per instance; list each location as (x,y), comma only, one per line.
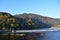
(35,36)
(50,36)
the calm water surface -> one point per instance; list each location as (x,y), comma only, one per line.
(46,36)
(50,36)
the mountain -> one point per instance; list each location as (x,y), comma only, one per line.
(32,21)
(26,21)
(47,20)
(58,20)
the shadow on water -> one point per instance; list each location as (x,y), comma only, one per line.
(29,36)
(12,37)
(32,36)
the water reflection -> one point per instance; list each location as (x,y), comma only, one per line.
(50,36)
(33,36)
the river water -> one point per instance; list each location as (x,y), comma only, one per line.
(34,36)
(50,36)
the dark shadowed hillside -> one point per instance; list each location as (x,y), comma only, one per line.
(26,21)
(38,19)
(22,22)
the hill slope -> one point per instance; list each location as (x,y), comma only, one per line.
(8,21)
(26,21)
(47,20)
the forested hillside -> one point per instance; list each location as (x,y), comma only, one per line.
(26,21)
(39,18)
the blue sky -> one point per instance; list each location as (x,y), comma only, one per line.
(49,8)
